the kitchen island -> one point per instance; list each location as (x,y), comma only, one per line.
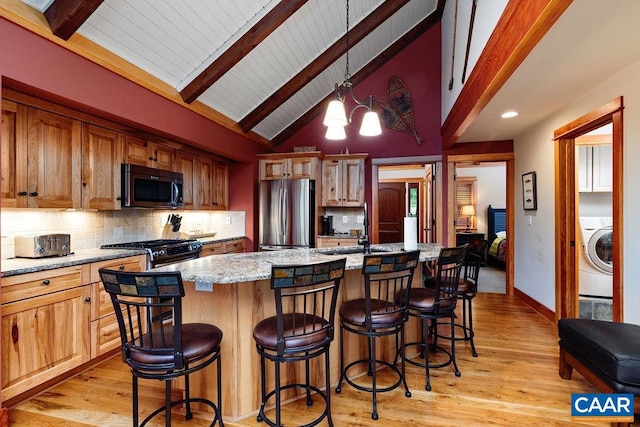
(233,292)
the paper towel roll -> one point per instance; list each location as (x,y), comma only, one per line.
(410,233)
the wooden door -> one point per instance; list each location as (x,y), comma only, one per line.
(136,151)
(274,169)
(101,172)
(163,157)
(53,161)
(391,212)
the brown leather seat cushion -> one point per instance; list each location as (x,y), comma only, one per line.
(198,339)
(463,286)
(354,312)
(265,332)
(423,300)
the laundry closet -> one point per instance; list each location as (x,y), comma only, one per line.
(595,185)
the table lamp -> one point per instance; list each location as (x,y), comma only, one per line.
(468,211)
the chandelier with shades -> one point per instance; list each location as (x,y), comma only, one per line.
(335,118)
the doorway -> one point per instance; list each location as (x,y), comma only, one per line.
(567,209)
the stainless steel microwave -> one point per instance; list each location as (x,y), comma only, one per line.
(144,187)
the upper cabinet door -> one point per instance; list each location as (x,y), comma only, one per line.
(331,183)
(101,176)
(274,169)
(8,185)
(54,161)
(603,168)
(353,182)
(139,151)
(220,186)
(186,163)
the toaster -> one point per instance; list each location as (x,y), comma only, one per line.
(44,245)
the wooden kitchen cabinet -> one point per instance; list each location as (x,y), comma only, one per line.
(331,242)
(343,180)
(101,175)
(8,161)
(139,151)
(289,165)
(45,327)
(205,181)
(104,331)
(48,168)
(220,186)
(226,247)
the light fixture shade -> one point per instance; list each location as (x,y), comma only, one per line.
(468,210)
(335,133)
(370,124)
(335,115)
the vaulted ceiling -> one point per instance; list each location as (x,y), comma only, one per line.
(264,67)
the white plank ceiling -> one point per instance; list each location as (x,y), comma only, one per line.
(175,40)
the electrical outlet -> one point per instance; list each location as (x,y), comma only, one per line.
(204,286)
(228,220)
(345,219)
(360,219)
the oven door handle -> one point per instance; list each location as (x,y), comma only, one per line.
(176,193)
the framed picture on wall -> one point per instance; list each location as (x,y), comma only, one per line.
(529,198)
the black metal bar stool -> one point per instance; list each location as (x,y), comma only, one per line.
(379,314)
(432,304)
(155,342)
(302,329)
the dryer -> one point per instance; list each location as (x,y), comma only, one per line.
(596,260)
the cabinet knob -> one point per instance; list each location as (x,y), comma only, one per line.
(121,267)
(151,158)
(34,194)
(84,184)
(87,299)
(22,193)
(46,282)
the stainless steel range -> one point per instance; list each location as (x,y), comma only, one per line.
(163,251)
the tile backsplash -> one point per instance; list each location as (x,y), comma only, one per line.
(354,219)
(90,230)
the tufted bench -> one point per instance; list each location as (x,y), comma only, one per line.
(607,354)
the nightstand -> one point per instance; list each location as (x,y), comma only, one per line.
(462,238)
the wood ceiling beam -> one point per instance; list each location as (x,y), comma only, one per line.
(245,44)
(66,16)
(522,25)
(317,66)
(367,70)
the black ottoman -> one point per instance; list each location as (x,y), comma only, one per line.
(607,354)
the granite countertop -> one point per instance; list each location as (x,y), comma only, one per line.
(251,266)
(15,266)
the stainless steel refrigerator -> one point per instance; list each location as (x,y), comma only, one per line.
(287,214)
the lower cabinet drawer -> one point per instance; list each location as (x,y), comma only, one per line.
(234,246)
(105,334)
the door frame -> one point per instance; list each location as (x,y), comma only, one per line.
(436,161)
(509,159)
(566,221)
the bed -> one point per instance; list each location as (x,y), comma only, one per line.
(497,235)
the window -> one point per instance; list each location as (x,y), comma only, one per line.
(465,195)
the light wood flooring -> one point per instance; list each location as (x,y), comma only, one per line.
(513,382)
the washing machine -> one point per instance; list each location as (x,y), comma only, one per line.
(596,260)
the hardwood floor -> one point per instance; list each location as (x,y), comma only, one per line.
(514,382)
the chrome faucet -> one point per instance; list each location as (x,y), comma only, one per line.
(364,240)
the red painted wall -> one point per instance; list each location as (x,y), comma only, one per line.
(418,66)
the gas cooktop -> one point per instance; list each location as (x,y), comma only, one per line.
(163,251)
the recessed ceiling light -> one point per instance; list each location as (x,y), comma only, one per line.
(509,114)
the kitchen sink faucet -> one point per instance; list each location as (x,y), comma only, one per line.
(364,240)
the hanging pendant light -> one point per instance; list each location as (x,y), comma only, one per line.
(336,118)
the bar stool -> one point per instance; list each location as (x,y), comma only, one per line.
(155,342)
(432,304)
(467,290)
(378,315)
(302,329)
